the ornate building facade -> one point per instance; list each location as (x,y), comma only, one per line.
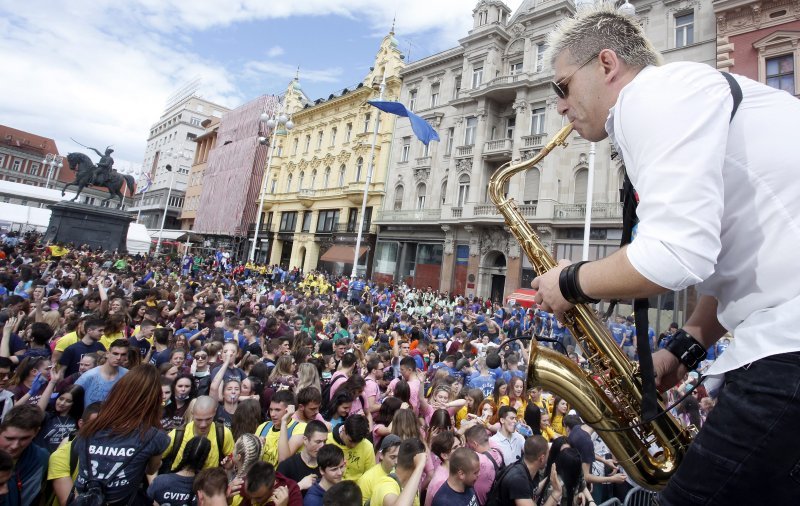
(319,171)
(760,40)
(490,100)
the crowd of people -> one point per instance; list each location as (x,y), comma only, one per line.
(142,381)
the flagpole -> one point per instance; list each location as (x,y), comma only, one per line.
(369,180)
(587,225)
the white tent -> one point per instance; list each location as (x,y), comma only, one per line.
(138,239)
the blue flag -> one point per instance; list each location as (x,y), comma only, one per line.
(422,129)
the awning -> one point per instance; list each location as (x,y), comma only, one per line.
(522,296)
(341,254)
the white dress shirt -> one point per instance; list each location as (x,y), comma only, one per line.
(719,202)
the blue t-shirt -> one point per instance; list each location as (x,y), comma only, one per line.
(95,387)
(169,489)
(617,332)
(446,496)
(485,383)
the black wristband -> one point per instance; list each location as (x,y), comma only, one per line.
(688,349)
(570,288)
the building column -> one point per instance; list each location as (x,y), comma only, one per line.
(275,252)
(448,261)
(473,265)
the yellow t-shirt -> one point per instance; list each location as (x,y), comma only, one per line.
(58,467)
(461,414)
(369,479)
(270,453)
(505,401)
(359,459)
(213,456)
(66,340)
(384,487)
(107,340)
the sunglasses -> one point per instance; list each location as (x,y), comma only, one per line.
(560,88)
(201,357)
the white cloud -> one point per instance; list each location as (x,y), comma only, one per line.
(100,70)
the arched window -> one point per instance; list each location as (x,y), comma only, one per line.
(342,170)
(359,168)
(274,185)
(463,190)
(444,191)
(288,183)
(530,195)
(313,179)
(581,183)
(422,191)
(301,180)
(327,180)
(398,197)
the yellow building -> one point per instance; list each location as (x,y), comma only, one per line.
(316,181)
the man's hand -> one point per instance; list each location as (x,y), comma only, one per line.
(286,416)
(669,370)
(548,293)
(306,482)
(280,496)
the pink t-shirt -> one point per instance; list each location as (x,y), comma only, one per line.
(486,475)
(413,385)
(426,412)
(337,379)
(372,391)
(438,479)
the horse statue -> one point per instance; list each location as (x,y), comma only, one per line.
(85,176)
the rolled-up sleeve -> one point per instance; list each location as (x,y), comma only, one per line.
(672,132)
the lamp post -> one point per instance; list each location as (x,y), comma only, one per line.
(52,161)
(274,122)
(177,157)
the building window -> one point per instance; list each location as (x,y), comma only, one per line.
(477,77)
(406,149)
(327,220)
(444,191)
(366,122)
(342,170)
(301,180)
(333,136)
(780,72)
(511,123)
(306,221)
(581,184)
(296,146)
(515,68)
(448,148)
(469,131)
(16,166)
(2,161)
(530,194)
(483,18)
(352,219)
(684,30)
(426,151)
(463,190)
(308,144)
(359,168)
(348,132)
(288,183)
(195,121)
(412,100)
(422,191)
(537,121)
(398,198)
(327,178)
(319,139)
(313,179)
(434,95)
(288,221)
(274,187)
(456,87)
(541,48)
(34,170)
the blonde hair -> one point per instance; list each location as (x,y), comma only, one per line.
(247,452)
(601,27)
(307,376)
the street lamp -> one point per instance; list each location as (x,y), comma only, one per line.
(52,161)
(178,157)
(274,122)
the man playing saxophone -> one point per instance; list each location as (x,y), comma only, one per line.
(718,209)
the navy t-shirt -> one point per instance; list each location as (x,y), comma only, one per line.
(54,430)
(169,489)
(582,441)
(446,496)
(107,453)
(71,358)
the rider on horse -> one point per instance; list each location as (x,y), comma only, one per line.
(103,167)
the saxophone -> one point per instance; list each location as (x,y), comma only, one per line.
(609,397)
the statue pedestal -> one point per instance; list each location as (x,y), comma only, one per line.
(80,224)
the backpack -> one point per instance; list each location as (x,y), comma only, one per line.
(493,497)
(95,494)
(180,432)
(268,427)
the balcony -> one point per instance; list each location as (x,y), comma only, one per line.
(485,210)
(306,197)
(347,228)
(501,87)
(457,212)
(464,151)
(423,161)
(535,141)
(600,211)
(410,216)
(354,191)
(498,149)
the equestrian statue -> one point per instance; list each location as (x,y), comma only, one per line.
(102,174)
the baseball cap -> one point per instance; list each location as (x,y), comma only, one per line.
(389,441)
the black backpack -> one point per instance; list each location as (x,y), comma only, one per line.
(493,497)
(95,493)
(180,432)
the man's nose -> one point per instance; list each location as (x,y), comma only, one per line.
(561,106)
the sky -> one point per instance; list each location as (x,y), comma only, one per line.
(100,71)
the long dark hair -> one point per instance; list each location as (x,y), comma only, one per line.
(140,387)
(195,454)
(76,411)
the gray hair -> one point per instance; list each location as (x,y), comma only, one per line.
(602,27)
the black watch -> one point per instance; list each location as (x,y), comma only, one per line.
(688,350)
